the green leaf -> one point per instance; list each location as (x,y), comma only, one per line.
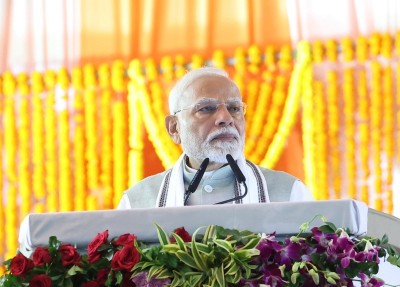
(110,278)
(385,239)
(187,259)
(165,273)
(162,235)
(209,234)
(204,248)
(180,242)
(119,277)
(200,262)
(243,255)
(224,245)
(395,260)
(232,268)
(75,270)
(252,243)
(172,248)
(314,276)
(154,270)
(295,266)
(333,275)
(195,280)
(328,228)
(294,277)
(218,274)
(54,242)
(331,280)
(10,281)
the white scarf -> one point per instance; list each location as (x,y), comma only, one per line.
(172,190)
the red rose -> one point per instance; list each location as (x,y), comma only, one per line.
(20,264)
(69,255)
(125,258)
(41,280)
(182,233)
(102,276)
(94,257)
(90,284)
(41,256)
(125,239)
(99,240)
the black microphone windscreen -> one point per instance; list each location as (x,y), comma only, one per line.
(198,176)
(235,168)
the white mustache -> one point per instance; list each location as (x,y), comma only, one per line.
(223,131)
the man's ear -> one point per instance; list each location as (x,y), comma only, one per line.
(172,126)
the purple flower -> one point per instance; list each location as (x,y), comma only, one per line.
(370,282)
(272,276)
(141,280)
(268,246)
(341,248)
(290,251)
(370,253)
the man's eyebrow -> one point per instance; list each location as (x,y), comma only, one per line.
(212,100)
(205,100)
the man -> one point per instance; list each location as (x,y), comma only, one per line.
(207,119)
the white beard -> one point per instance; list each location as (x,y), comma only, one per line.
(215,150)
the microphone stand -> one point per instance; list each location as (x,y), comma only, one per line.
(236,197)
(196,180)
(239,177)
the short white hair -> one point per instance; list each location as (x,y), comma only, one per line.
(181,86)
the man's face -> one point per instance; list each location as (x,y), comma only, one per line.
(211,120)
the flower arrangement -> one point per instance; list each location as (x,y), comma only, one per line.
(325,256)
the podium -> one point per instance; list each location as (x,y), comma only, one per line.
(284,218)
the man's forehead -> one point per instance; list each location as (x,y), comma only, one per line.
(212,85)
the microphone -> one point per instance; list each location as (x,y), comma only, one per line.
(239,176)
(196,180)
(235,168)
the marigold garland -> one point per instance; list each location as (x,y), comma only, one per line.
(79,143)
(388,139)
(120,131)
(333,116)
(10,145)
(321,142)
(2,221)
(136,159)
(106,127)
(376,134)
(24,175)
(272,119)
(255,130)
(91,121)
(50,119)
(38,152)
(364,134)
(64,163)
(364,115)
(349,123)
(302,72)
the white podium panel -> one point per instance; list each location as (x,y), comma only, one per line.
(284,218)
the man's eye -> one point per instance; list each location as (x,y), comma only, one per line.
(234,109)
(208,108)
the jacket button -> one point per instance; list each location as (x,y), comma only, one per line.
(208,188)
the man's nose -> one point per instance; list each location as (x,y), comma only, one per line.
(222,116)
